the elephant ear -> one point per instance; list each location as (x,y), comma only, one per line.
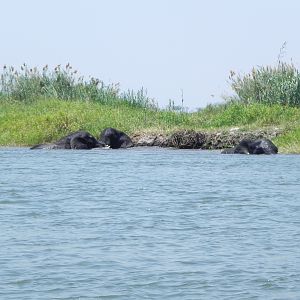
(115,138)
(242,147)
(106,136)
(79,143)
(264,146)
(64,143)
(125,141)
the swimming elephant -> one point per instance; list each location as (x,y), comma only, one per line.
(115,138)
(75,140)
(260,146)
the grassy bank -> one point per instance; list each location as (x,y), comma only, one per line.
(42,106)
(23,124)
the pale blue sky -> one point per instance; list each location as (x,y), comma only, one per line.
(162,45)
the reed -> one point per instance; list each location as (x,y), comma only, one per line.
(63,82)
(268,85)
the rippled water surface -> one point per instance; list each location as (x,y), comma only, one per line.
(148,224)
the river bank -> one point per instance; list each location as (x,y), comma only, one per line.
(215,127)
(190,139)
(42,106)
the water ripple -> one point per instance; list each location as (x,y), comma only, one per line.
(148,224)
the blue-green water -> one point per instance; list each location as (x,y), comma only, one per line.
(148,224)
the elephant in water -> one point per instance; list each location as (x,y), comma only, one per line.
(115,139)
(75,140)
(260,146)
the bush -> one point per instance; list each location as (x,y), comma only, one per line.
(269,85)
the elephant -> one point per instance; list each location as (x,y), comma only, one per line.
(115,139)
(260,146)
(76,140)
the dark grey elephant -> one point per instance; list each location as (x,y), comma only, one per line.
(260,146)
(115,139)
(75,140)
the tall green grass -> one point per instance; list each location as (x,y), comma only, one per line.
(269,85)
(27,84)
(253,115)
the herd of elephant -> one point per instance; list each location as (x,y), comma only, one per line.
(115,139)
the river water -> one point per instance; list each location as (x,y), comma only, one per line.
(148,223)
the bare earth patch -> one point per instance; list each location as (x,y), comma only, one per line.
(190,139)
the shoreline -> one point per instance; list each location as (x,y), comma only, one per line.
(220,127)
(191,139)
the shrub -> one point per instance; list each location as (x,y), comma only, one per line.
(270,85)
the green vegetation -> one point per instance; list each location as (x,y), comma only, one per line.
(270,85)
(38,107)
(45,121)
(64,83)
